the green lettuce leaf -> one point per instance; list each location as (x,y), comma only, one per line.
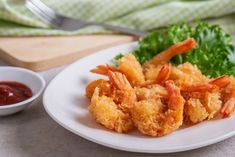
(214,54)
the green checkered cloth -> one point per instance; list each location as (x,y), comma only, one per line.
(17,20)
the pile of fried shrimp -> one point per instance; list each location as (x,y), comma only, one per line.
(157,97)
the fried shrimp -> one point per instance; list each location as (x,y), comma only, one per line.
(157,98)
(151,92)
(203,101)
(228,107)
(194,111)
(113,111)
(151,71)
(155,118)
(201,106)
(161,77)
(228,98)
(152,67)
(107,113)
(104,86)
(164,74)
(124,93)
(129,66)
(187,74)
(212,102)
(217,83)
(103,69)
(178,48)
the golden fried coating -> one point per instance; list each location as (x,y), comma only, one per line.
(145,116)
(154,118)
(129,66)
(229,91)
(228,98)
(151,72)
(194,111)
(201,106)
(124,94)
(212,103)
(106,112)
(158,97)
(187,74)
(105,88)
(151,92)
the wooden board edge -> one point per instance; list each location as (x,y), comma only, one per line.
(57,61)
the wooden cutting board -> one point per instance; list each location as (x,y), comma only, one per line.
(41,53)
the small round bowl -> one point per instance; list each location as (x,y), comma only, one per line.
(33,80)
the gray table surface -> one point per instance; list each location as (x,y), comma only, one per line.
(32,133)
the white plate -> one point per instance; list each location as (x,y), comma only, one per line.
(65,102)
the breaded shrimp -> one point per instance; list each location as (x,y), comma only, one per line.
(153,117)
(103,69)
(129,66)
(178,48)
(164,74)
(203,101)
(158,97)
(107,113)
(124,94)
(201,106)
(187,74)
(194,111)
(151,71)
(104,86)
(212,102)
(153,66)
(228,108)
(228,97)
(214,84)
(151,92)
(161,76)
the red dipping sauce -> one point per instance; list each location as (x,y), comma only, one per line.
(13,92)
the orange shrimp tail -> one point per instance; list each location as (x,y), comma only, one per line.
(119,80)
(178,48)
(200,88)
(176,101)
(164,74)
(217,83)
(228,108)
(172,89)
(221,82)
(184,46)
(103,69)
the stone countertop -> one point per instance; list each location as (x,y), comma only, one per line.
(32,133)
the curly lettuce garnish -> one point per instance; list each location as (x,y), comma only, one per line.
(214,55)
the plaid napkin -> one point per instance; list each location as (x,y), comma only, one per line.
(17,20)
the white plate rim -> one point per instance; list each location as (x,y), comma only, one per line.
(129,149)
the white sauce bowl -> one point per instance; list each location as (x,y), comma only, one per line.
(33,80)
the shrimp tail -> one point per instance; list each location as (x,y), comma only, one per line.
(217,83)
(200,88)
(228,108)
(175,97)
(119,80)
(178,48)
(175,113)
(164,74)
(103,69)
(221,82)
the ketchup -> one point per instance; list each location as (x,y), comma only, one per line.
(13,92)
